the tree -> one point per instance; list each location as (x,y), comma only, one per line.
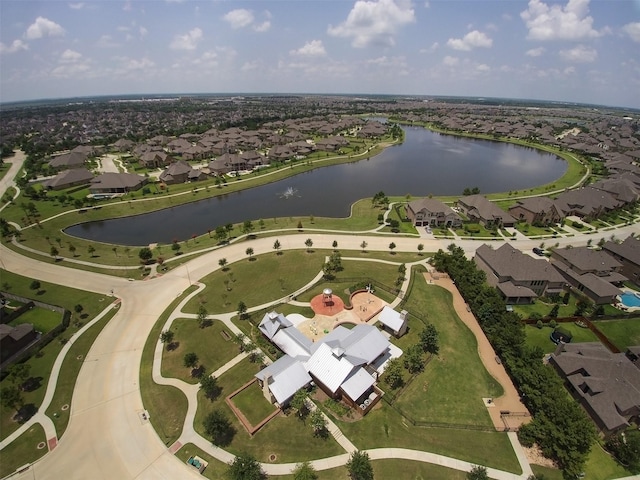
(309,243)
(115,251)
(18,373)
(277,246)
(72,249)
(299,403)
(145,255)
(166,337)
(247,227)
(35,285)
(54,252)
(300,225)
(202,316)
(209,385)
(218,428)
(359,466)
(393,374)
(242,310)
(413,360)
(91,249)
(245,467)
(190,360)
(363,246)
(78,308)
(318,424)
(392,246)
(223,263)
(175,246)
(626,448)
(429,339)
(11,397)
(249,252)
(304,471)
(478,473)
(420,248)
(334,244)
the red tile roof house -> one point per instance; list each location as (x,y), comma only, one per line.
(478,209)
(592,272)
(537,211)
(628,254)
(518,277)
(428,211)
(606,384)
(116,183)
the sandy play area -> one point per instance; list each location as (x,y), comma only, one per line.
(330,313)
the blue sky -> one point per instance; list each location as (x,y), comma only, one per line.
(572,50)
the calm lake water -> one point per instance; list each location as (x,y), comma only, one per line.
(426,163)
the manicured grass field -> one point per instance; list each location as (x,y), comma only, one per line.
(252,404)
(167,406)
(287,437)
(42,319)
(212,348)
(600,466)
(41,363)
(623,333)
(451,388)
(24,450)
(539,337)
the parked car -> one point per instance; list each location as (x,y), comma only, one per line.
(538,251)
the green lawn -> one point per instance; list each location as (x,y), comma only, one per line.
(214,471)
(42,319)
(623,333)
(212,348)
(600,466)
(252,404)
(42,361)
(539,337)
(167,406)
(287,437)
(24,450)
(451,388)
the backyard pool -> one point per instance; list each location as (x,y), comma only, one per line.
(630,299)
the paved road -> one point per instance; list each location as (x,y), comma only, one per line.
(106,437)
(8,180)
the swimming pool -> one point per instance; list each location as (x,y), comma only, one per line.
(630,299)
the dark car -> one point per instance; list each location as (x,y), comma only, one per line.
(538,251)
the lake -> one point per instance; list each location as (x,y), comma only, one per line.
(426,163)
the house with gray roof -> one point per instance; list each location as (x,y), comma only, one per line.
(68,161)
(627,253)
(587,202)
(592,272)
(429,211)
(606,384)
(622,190)
(518,277)
(340,363)
(179,172)
(478,209)
(537,211)
(392,321)
(68,178)
(116,183)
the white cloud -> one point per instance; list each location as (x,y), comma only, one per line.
(450,61)
(483,68)
(15,46)
(579,54)
(188,41)
(43,27)
(633,30)
(434,46)
(374,22)
(239,18)
(314,48)
(133,64)
(556,22)
(76,6)
(535,52)
(143,32)
(473,39)
(107,41)
(70,56)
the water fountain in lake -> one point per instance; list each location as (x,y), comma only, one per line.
(289,193)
